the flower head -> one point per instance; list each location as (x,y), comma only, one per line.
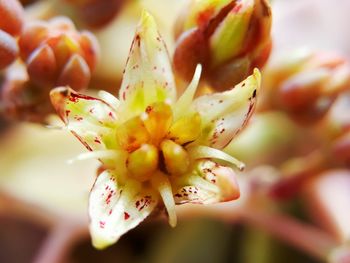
(157,150)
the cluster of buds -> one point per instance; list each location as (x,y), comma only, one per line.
(305,84)
(53,53)
(228,37)
(56,54)
(96,13)
(11,21)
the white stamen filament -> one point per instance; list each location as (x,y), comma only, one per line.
(183,103)
(108,154)
(162,183)
(199,152)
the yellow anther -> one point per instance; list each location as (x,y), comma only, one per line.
(143,162)
(186,129)
(175,156)
(157,119)
(132,134)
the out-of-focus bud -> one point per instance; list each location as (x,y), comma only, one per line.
(11,16)
(56,54)
(305,84)
(20,99)
(11,20)
(96,13)
(229,38)
(340,150)
(8,49)
(328,198)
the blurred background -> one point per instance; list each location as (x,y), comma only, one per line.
(295,203)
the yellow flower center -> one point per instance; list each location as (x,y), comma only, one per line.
(154,141)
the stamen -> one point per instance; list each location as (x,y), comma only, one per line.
(108,154)
(183,103)
(162,183)
(199,152)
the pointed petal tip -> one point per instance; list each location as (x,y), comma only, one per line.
(100,243)
(57,97)
(257,76)
(146,20)
(59,93)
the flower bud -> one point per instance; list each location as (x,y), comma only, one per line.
(75,54)
(340,150)
(21,99)
(11,16)
(41,66)
(305,84)
(96,13)
(75,74)
(8,49)
(229,38)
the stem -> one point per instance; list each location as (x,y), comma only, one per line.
(58,245)
(10,205)
(304,237)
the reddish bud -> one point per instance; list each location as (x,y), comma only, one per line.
(75,74)
(8,49)
(305,84)
(41,66)
(229,38)
(11,16)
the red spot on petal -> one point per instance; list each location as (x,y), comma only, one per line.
(126,216)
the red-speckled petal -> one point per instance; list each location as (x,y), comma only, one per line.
(90,119)
(225,114)
(209,183)
(114,209)
(148,76)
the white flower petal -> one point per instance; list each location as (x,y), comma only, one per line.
(209,183)
(90,119)
(225,114)
(114,209)
(148,76)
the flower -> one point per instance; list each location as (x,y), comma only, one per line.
(155,150)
